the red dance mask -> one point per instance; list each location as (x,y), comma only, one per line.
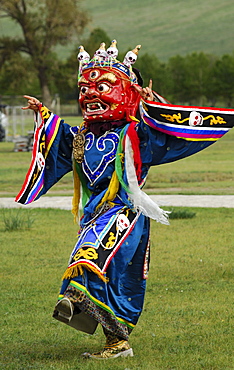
(106,94)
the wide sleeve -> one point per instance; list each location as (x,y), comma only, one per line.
(171,132)
(51,156)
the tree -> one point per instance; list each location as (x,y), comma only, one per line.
(191,78)
(44,25)
(18,75)
(224,75)
(198,77)
(176,70)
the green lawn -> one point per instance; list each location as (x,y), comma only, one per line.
(187,321)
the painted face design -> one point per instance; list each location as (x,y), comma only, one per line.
(104,95)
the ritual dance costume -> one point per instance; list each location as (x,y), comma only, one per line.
(105,280)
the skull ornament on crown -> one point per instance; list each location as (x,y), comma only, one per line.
(112,51)
(106,86)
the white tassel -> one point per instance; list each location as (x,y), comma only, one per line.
(141,201)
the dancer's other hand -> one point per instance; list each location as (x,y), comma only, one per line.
(145,92)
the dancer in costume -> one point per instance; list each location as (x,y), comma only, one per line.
(126,130)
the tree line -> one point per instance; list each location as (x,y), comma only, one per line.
(194,79)
(29,64)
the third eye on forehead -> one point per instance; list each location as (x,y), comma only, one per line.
(95,76)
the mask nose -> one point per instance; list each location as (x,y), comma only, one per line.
(92,93)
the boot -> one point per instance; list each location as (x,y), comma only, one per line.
(114,347)
(65,310)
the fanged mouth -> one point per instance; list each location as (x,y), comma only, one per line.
(95,107)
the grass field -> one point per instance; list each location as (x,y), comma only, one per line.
(187,321)
(164,29)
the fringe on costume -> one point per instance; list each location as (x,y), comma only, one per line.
(78,269)
(76,195)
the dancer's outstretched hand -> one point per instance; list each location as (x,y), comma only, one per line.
(33,103)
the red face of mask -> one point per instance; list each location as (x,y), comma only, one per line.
(107,95)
